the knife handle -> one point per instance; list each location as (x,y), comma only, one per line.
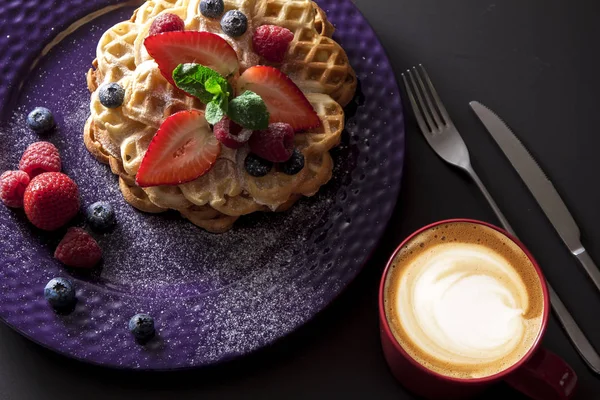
(581,343)
(588,264)
(575,334)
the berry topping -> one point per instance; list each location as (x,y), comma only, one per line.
(40,120)
(12,188)
(166,22)
(100,216)
(78,249)
(212,8)
(60,293)
(231,134)
(257,166)
(275,144)
(142,327)
(271,42)
(284,100)
(51,200)
(294,164)
(183,149)
(234,23)
(170,49)
(40,157)
(111,95)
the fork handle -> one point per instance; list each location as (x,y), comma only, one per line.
(575,334)
(490,200)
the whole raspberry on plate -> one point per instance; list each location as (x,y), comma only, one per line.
(12,188)
(40,157)
(271,42)
(78,249)
(51,200)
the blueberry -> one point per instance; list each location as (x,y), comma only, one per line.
(294,164)
(142,327)
(212,8)
(60,293)
(111,95)
(100,216)
(234,23)
(40,120)
(257,166)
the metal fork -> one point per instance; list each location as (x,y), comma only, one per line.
(440,132)
(443,137)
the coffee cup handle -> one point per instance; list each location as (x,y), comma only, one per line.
(544,377)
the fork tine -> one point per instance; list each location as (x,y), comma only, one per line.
(421,103)
(436,97)
(427,96)
(413,103)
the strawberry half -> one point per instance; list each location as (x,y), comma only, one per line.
(284,100)
(183,149)
(169,49)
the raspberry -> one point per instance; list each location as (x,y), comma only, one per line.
(231,134)
(275,144)
(12,188)
(40,157)
(51,200)
(271,42)
(166,23)
(78,249)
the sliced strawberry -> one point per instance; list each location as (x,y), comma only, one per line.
(284,100)
(169,49)
(183,149)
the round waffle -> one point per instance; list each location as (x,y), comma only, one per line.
(120,137)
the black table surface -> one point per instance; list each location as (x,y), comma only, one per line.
(534,62)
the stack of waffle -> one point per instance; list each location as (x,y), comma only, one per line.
(120,137)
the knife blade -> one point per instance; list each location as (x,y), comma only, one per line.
(540,187)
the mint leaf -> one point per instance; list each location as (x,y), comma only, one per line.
(192,78)
(220,91)
(214,113)
(213,86)
(250,111)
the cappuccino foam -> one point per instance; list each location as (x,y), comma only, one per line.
(464,301)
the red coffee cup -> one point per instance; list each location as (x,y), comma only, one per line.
(539,374)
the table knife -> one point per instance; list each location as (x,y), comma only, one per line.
(540,187)
(575,334)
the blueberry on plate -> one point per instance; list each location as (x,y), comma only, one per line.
(142,327)
(212,8)
(100,216)
(234,23)
(111,95)
(294,164)
(40,120)
(257,166)
(60,293)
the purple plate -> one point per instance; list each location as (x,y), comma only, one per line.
(214,297)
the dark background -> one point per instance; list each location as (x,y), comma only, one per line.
(534,62)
